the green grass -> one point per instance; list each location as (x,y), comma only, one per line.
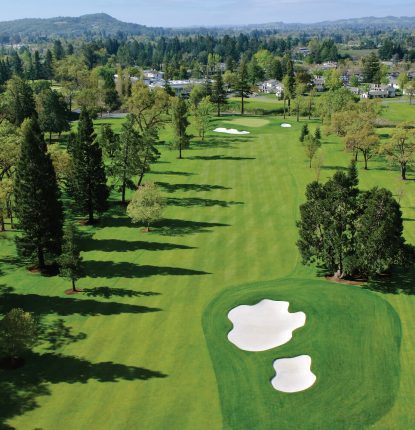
(397,111)
(343,337)
(248,122)
(139,357)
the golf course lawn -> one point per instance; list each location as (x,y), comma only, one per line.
(148,341)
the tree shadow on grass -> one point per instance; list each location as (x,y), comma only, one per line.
(194,201)
(109,269)
(172,173)
(107,292)
(21,387)
(171,188)
(43,305)
(115,245)
(180,227)
(220,157)
(399,280)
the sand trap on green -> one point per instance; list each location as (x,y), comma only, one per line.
(249,122)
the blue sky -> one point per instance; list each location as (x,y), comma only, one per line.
(209,12)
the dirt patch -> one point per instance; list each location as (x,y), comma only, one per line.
(51,270)
(72,292)
(345,281)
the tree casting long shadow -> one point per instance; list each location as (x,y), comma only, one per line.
(195,201)
(109,269)
(20,388)
(116,245)
(108,292)
(43,305)
(172,188)
(180,227)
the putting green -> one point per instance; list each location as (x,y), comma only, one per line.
(248,122)
(353,337)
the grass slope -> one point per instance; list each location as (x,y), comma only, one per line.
(137,354)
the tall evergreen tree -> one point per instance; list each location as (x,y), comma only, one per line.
(38,205)
(242,86)
(180,123)
(18,101)
(218,92)
(89,189)
(70,260)
(48,65)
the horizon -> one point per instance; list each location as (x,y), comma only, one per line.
(194,13)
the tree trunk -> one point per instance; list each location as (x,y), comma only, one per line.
(40,258)
(140,179)
(73,286)
(50,137)
(289,107)
(298,114)
(403,172)
(180,151)
(2,224)
(219,109)
(365,158)
(285,102)
(123,193)
(242,105)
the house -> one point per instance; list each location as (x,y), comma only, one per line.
(355,90)
(152,75)
(319,83)
(328,65)
(381,91)
(271,86)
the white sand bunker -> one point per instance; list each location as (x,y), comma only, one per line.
(230,131)
(293,374)
(263,326)
(286,125)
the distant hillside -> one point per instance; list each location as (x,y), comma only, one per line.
(390,22)
(104,25)
(94,25)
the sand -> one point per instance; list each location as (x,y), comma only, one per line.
(263,326)
(230,131)
(293,374)
(286,125)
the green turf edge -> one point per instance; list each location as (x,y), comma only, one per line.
(249,402)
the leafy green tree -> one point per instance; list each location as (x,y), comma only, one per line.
(311,146)
(58,51)
(350,232)
(202,114)
(146,206)
(400,148)
(70,261)
(371,69)
(38,205)
(255,72)
(379,233)
(89,189)
(16,64)
(48,66)
(317,133)
(18,333)
(126,161)
(327,226)
(53,112)
(17,102)
(304,132)
(108,141)
(219,97)
(180,122)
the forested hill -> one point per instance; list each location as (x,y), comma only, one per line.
(367,23)
(99,24)
(102,24)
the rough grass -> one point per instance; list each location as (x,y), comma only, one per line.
(137,355)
